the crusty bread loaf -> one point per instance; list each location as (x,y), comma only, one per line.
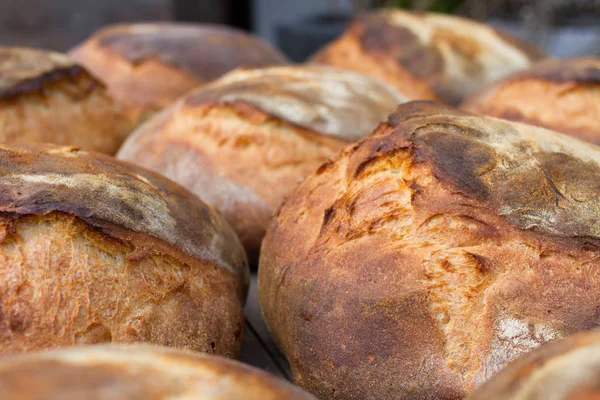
(245,141)
(47,97)
(431,253)
(426,54)
(148,66)
(136,372)
(559,94)
(567,369)
(96,250)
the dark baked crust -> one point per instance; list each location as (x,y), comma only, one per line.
(559,94)
(136,372)
(565,369)
(411,50)
(431,253)
(120,199)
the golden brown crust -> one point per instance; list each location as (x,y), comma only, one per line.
(149,66)
(66,283)
(120,199)
(137,372)
(424,52)
(46,97)
(560,94)
(246,141)
(435,250)
(566,369)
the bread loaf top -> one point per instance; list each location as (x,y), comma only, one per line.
(120,199)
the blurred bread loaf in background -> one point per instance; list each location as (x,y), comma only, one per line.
(562,94)
(428,55)
(48,97)
(147,66)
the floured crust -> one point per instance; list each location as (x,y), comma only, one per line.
(451,56)
(430,254)
(124,201)
(136,372)
(148,66)
(246,141)
(565,369)
(46,97)
(560,94)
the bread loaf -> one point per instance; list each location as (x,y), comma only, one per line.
(559,94)
(244,142)
(47,97)
(431,253)
(136,372)
(562,370)
(428,55)
(148,66)
(94,250)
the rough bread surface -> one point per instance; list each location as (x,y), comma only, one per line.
(431,253)
(137,372)
(245,141)
(428,55)
(47,97)
(96,250)
(559,94)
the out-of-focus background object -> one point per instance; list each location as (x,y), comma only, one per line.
(562,27)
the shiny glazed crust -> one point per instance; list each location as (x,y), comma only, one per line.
(96,250)
(559,94)
(46,97)
(137,372)
(245,141)
(427,55)
(430,254)
(562,370)
(148,66)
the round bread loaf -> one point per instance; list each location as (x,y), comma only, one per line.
(244,142)
(47,97)
(431,253)
(149,66)
(96,250)
(567,369)
(560,94)
(426,54)
(136,372)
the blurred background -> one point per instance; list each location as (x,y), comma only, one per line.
(298,27)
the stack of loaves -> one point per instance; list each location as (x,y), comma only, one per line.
(417,219)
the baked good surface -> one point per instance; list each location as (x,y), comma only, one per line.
(93,250)
(564,369)
(428,55)
(136,372)
(147,66)
(431,253)
(47,97)
(559,94)
(245,141)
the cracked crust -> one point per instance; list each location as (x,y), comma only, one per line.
(428,55)
(562,370)
(436,250)
(137,372)
(559,94)
(244,142)
(97,250)
(47,97)
(149,66)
